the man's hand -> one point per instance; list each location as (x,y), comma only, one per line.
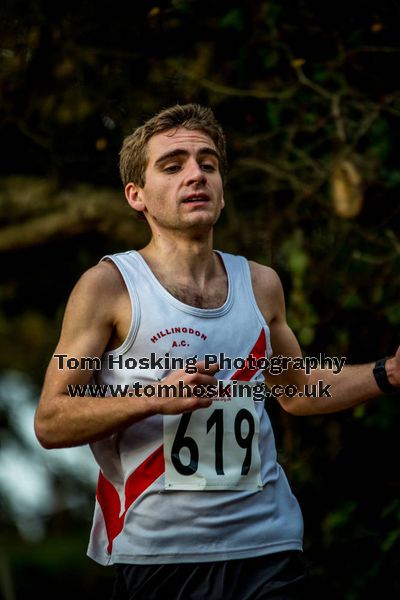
(176,405)
(393,369)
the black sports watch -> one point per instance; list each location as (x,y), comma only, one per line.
(381,377)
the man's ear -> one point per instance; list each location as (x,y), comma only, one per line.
(222,201)
(133,193)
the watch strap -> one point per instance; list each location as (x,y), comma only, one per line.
(381,377)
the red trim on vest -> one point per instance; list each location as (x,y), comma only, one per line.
(144,476)
(138,481)
(110,504)
(150,469)
(258,351)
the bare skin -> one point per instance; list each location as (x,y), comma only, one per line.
(182,199)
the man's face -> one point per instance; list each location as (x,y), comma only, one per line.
(183,186)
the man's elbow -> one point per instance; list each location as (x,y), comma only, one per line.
(42,436)
(296,406)
(45,432)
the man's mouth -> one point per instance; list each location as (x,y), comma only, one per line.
(195,198)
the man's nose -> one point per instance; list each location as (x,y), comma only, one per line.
(194,173)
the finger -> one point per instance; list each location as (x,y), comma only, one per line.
(195,403)
(202,379)
(397,355)
(201,368)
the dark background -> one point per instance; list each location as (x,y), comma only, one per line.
(309,97)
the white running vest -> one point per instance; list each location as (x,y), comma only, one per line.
(137,520)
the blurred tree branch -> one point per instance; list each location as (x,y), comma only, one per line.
(33,211)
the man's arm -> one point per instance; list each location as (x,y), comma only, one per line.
(352,386)
(90,319)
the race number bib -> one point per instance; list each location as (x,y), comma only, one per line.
(214,448)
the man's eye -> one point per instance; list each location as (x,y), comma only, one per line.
(172,168)
(208,167)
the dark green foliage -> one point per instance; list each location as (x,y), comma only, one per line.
(306,91)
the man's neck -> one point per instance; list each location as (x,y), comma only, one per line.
(189,259)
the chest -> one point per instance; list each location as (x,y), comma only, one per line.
(213,296)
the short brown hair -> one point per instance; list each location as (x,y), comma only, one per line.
(133,155)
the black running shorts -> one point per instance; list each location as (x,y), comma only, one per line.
(279,576)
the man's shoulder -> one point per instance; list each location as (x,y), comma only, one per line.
(265,280)
(267,289)
(100,285)
(103,276)
(263,276)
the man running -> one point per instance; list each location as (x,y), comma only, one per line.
(191,502)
